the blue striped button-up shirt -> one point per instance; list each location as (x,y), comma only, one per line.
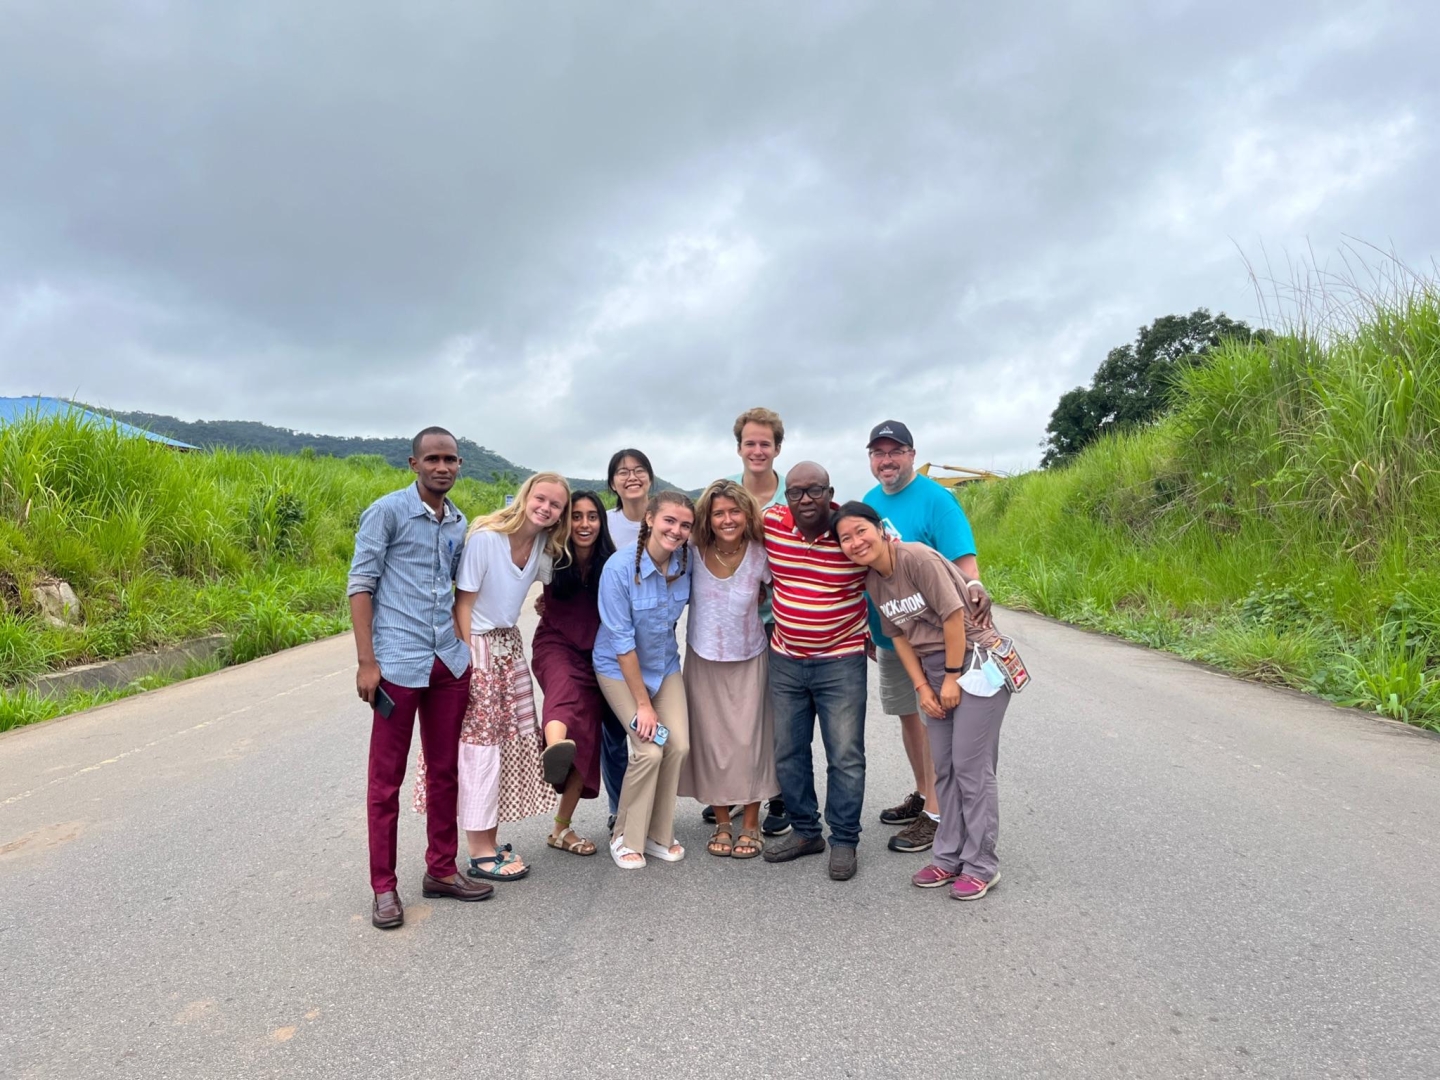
(640,618)
(406,560)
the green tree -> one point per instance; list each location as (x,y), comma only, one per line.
(1133,384)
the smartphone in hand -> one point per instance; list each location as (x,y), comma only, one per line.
(661,731)
(384,703)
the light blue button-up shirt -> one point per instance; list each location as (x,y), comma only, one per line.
(640,618)
(406,559)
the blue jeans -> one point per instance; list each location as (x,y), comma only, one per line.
(833,689)
(614,756)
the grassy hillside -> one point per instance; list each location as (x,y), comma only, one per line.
(480,463)
(1281,523)
(164,546)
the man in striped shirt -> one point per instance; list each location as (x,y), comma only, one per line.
(817,669)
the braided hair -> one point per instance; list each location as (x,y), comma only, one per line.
(676,498)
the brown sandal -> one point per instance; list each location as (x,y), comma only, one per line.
(576,845)
(721,848)
(748,845)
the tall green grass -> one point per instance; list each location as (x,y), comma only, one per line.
(1282,522)
(163,546)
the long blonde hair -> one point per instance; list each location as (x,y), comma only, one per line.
(508,519)
(749,506)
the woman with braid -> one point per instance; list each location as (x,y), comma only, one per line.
(643,590)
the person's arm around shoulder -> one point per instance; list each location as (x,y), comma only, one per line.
(372,544)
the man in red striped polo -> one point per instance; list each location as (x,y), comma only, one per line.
(817,669)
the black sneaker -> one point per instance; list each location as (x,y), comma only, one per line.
(610,825)
(708,814)
(919,835)
(906,812)
(776,823)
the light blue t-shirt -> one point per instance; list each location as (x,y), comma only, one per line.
(922,512)
(778,499)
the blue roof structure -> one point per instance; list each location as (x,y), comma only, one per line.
(18,408)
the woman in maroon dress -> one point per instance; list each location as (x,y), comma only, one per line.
(560,660)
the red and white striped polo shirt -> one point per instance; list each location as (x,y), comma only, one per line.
(819,597)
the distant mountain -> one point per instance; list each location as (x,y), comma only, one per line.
(480,463)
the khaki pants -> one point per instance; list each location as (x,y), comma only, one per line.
(647,798)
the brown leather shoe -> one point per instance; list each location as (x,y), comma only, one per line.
(388,912)
(457,887)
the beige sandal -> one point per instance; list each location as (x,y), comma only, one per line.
(576,845)
(748,845)
(721,849)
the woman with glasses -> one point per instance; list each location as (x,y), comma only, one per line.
(931,614)
(629,478)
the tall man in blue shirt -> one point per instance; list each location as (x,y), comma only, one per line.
(916,509)
(402,600)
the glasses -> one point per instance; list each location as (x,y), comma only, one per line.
(815,491)
(639,473)
(893,455)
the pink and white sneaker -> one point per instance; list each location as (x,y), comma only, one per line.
(932,877)
(972,888)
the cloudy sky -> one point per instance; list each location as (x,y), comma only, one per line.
(562,228)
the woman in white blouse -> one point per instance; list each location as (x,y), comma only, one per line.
(732,743)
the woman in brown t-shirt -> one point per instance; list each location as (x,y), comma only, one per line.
(929,610)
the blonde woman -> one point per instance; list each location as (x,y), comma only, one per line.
(732,730)
(501,775)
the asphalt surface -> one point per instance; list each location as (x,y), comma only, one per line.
(1201,878)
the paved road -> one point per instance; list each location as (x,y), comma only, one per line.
(1202,878)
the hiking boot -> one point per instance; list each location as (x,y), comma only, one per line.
(919,835)
(776,822)
(906,812)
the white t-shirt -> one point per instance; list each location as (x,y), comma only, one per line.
(486,568)
(724,621)
(622,530)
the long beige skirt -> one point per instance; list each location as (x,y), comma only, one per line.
(732,731)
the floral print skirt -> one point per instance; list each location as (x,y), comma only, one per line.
(500,738)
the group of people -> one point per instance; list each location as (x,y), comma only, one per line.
(787,593)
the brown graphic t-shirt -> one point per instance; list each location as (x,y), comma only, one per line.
(918,597)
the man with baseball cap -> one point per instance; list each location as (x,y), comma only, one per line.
(917,509)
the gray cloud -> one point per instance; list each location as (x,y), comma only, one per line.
(561,229)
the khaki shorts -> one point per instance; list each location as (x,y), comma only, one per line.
(897,692)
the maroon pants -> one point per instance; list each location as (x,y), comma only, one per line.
(441,706)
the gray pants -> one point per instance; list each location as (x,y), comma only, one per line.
(966,749)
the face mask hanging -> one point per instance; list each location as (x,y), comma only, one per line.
(982,678)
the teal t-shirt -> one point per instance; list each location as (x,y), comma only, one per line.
(766,616)
(922,512)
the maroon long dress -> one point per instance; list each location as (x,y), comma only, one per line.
(560,661)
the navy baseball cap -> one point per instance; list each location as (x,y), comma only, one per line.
(891,429)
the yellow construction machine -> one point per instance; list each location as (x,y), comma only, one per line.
(965,476)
